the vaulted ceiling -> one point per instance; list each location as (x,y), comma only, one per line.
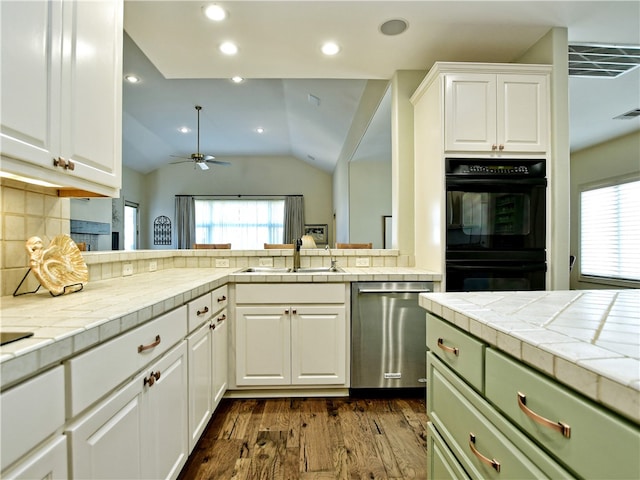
(304,101)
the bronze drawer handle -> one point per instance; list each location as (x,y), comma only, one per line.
(142,348)
(492,462)
(203,311)
(561,427)
(222,318)
(454,350)
(222,298)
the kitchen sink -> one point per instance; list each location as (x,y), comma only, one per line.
(265,270)
(290,270)
(319,270)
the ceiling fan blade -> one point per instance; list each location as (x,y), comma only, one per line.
(218,162)
(183,161)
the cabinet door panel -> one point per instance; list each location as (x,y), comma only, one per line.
(522,115)
(165,417)
(263,346)
(93,89)
(31,32)
(220,361)
(470,112)
(106,442)
(318,345)
(48,462)
(200,374)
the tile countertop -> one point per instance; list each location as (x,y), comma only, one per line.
(588,340)
(66,325)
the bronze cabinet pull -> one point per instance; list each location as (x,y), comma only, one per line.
(66,164)
(142,348)
(151,379)
(203,311)
(454,350)
(492,462)
(561,427)
(222,298)
(222,318)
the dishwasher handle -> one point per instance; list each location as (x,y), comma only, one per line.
(404,290)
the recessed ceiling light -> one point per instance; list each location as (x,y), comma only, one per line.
(330,48)
(184,129)
(132,78)
(394,27)
(237,79)
(260,130)
(214,12)
(229,48)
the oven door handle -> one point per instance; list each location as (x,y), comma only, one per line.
(491,182)
(504,268)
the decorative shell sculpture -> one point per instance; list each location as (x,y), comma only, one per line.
(60,268)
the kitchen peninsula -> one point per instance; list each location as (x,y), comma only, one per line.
(561,366)
(129,348)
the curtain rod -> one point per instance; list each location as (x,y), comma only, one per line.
(240,196)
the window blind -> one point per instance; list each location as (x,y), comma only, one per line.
(610,231)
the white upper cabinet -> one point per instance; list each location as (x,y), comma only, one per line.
(496,113)
(61,93)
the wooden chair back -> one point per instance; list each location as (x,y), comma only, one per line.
(270,246)
(354,245)
(212,246)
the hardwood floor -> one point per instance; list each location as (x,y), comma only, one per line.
(314,438)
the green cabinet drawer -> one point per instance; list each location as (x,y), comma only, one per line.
(460,351)
(597,444)
(442,464)
(458,413)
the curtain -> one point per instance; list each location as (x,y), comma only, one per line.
(293,218)
(185,222)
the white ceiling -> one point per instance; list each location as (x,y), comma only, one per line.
(173,48)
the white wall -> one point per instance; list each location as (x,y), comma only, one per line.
(614,159)
(369,200)
(552,49)
(245,176)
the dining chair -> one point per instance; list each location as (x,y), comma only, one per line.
(212,246)
(354,245)
(270,246)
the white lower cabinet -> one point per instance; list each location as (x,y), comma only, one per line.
(220,361)
(141,430)
(200,347)
(30,413)
(291,345)
(47,462)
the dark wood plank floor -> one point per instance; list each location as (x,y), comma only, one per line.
(299,438)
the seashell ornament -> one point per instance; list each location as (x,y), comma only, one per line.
(60,268)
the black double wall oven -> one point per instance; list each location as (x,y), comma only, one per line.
(496,224)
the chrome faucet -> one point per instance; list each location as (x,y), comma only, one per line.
(334,265)
(296,255)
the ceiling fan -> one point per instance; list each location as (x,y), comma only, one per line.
(201,160)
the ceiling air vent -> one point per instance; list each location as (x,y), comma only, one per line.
(602,61)
(629,115)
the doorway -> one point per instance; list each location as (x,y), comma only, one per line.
(131,225)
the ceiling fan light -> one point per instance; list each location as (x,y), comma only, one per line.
(202,165)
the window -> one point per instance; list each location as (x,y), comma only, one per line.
(246,224)
(610,231)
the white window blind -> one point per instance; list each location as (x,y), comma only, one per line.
(610,231)
(246,224)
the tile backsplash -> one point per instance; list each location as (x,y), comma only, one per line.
(27,211)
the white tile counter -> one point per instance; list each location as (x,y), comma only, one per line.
(66,325)
(588,340)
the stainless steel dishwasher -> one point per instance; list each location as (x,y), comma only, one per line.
(388,335)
